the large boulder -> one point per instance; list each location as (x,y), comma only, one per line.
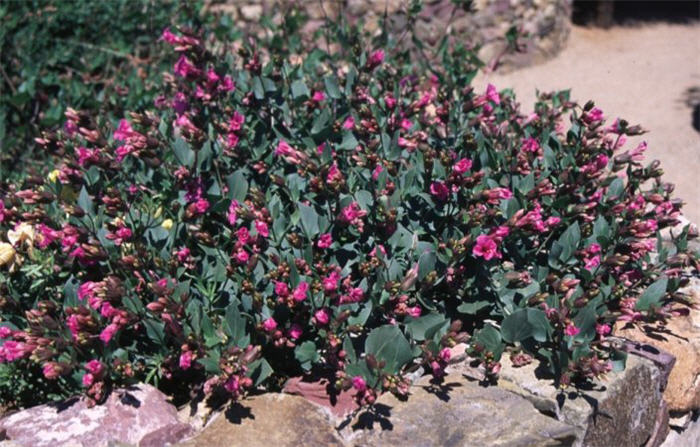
(139,415)
(457,413)
(621,410)
(269,420)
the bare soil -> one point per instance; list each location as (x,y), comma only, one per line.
(645,74)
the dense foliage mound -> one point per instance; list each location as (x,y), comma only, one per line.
(339,214)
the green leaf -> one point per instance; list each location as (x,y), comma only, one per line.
(211,363)
(426,263)
(85,201)
(183,152)
(473,308)
(309,220)
(387,343)
(332,87)
(421,328)
(321,121)
(349,141)
(259,370)
(516,327)
(234,323)
(652,295)
(490,339)
(307,354)
(238,185)
(299,89)
(156,332)
(258,89)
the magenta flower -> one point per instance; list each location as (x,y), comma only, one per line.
(318,96)
(281,289)
(243,235)
(359,383)
(5,332)
(486,248)
(492,94)
(88,380)
(261,228)
(325,241)
(322,316)
(375,59)
(183,254)
(295,331)
(236,122)
(108,332)
(300,291)
(95,367)
(241,256)
(330,282)
(349,123)
(571,330)
(269,325)
(530,145)
(462,166)
(439,191)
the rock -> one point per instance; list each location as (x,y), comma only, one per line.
(457,413)
(690,437)
(269,420)
(682,340)
(339,404)
(621,410)
(139,415)
(251,13)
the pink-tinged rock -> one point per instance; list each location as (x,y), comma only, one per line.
(139,415)
(339,404)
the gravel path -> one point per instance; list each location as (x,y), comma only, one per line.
(642,74)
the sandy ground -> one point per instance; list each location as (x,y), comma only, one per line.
(641,74)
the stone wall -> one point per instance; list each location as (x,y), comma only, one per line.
(545,22)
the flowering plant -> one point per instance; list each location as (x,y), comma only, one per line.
(342,214)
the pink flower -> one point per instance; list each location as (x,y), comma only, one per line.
(201,206)
(5,332)
(295,331)
(486,248)
(261,228)
(108,332)
(571,330)
(445,355)
(232,385)
(242,256)
(377,170)
(236,122)
(88,380)
(184,68)
(183,254)
(375,59)
(325,241)
(51,370)
(492,94)
(300,291)
(592,116)
(352,215)
(86,155)
(95,367)
(354,295)
(322,316)
(123,131)
(530,145)
(349,123)
(330,282)
(231,215)
(602,329)
(281,289)
(290,154)
(462,166)
(243,235)
(389,100)
(414,311)
(439,191)
(269,325)
(359,383)
(318,96)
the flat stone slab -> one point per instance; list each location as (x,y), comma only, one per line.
(269,420)
(619,411)
(139,415)
(458,413)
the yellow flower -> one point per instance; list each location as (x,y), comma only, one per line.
(53,175)
(7,254)
(167,224)
(159,211)
(23,234)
